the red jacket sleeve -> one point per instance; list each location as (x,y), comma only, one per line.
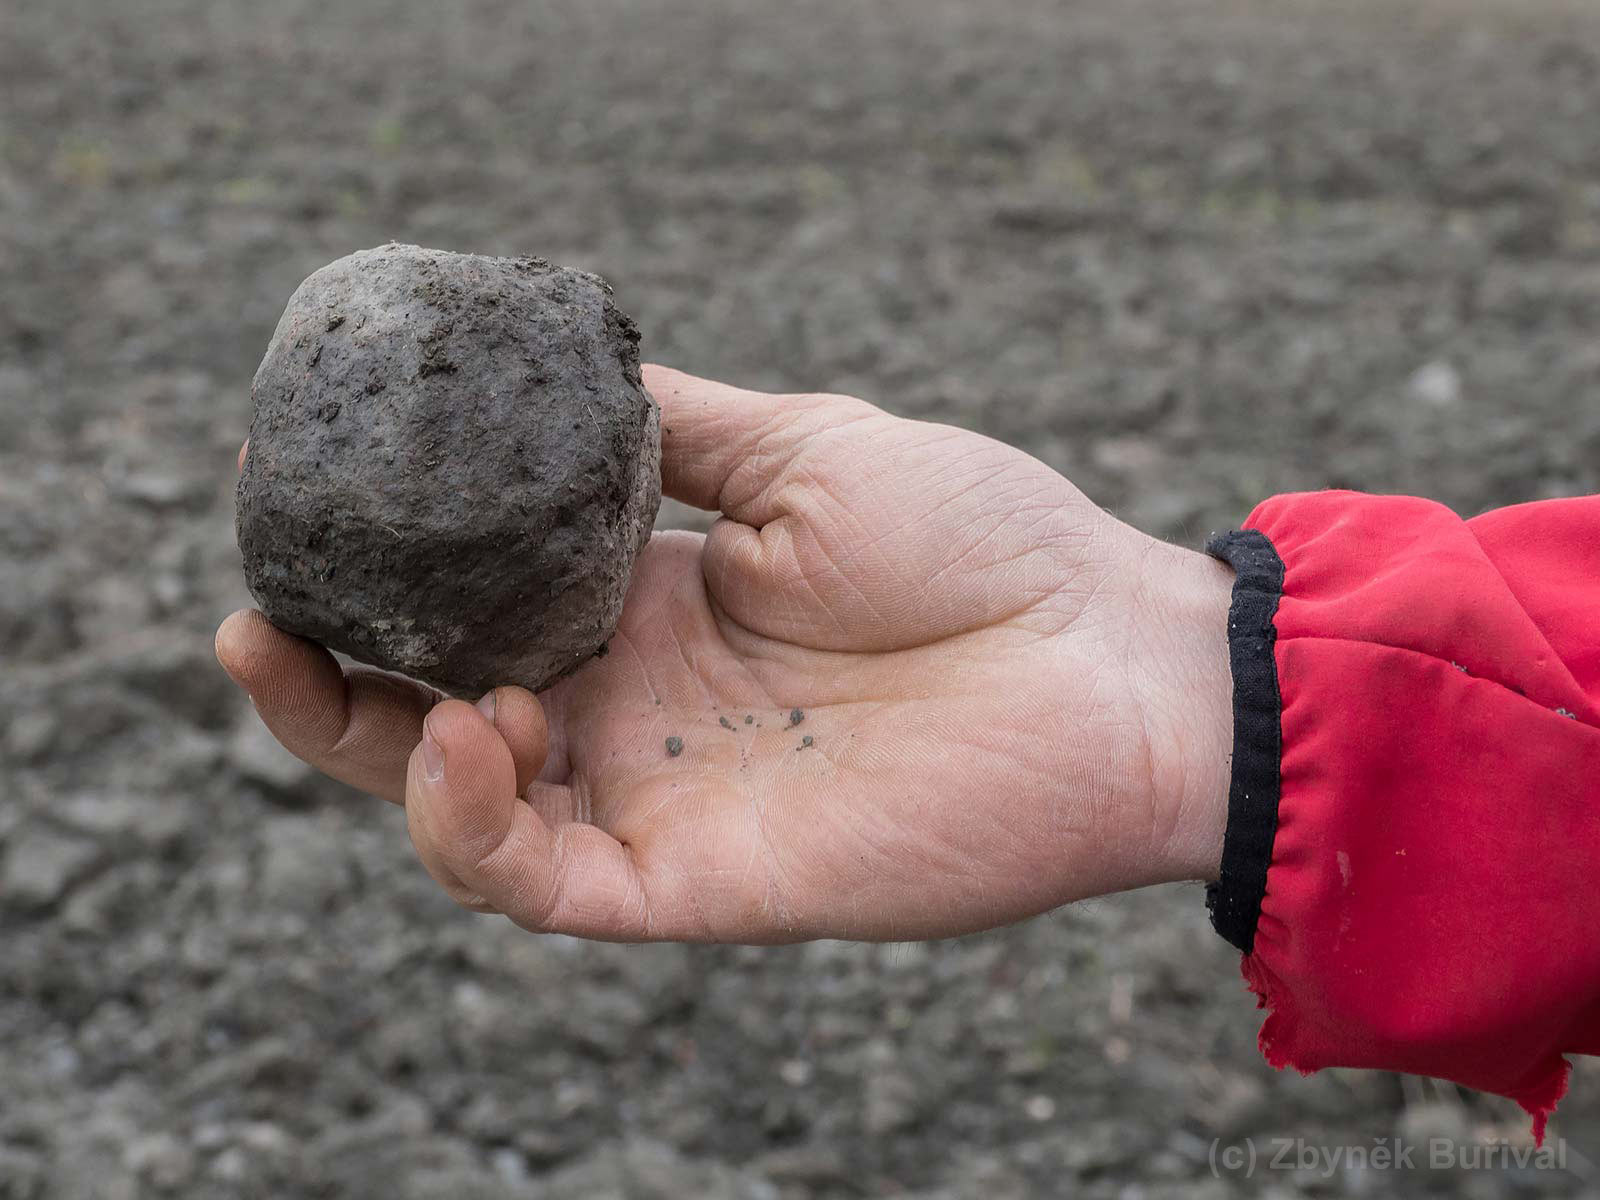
(1412,862)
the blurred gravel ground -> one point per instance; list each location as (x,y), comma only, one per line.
(1190,252)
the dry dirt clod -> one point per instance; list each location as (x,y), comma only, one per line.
(453,465)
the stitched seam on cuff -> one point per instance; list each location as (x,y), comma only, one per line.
(1256,784)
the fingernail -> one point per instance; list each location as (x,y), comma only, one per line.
(487,705)
(432,755)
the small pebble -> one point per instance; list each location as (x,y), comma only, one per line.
(796,715)
(674,746)
(748,719)
(804,742)
(724,722)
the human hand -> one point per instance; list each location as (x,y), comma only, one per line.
(1011,701)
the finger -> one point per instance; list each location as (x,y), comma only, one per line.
(723,447)
(519,719)
(426,846)
(469,827)
(357,726)
(243,451)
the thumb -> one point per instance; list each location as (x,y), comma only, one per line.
(727,449)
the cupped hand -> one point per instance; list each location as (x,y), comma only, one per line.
(911,684)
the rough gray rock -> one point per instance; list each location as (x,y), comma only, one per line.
(453,464)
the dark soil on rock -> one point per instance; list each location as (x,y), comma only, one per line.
(1189,252)
(453,464)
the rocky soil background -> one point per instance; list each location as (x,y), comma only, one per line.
(1189,252)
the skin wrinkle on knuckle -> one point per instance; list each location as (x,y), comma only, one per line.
(644,918)
(344,738)
(597,907)
(582,800)
(767,453)
(459,892)
(763,456)
(480,855)
(742,563)
(538,910)
(295,707)
(780,464)
(772,575)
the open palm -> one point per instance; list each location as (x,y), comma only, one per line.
(912,683)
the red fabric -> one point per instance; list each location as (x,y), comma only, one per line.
(1433,899)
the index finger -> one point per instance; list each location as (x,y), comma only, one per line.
(358,725)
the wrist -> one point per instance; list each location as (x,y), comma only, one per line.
(1185,689)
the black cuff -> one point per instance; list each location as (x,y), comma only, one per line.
(1235,899)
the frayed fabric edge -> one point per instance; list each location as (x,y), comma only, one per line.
(1538,1099)
(1277,1028)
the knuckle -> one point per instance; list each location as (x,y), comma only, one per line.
(482,856)
(539,911)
